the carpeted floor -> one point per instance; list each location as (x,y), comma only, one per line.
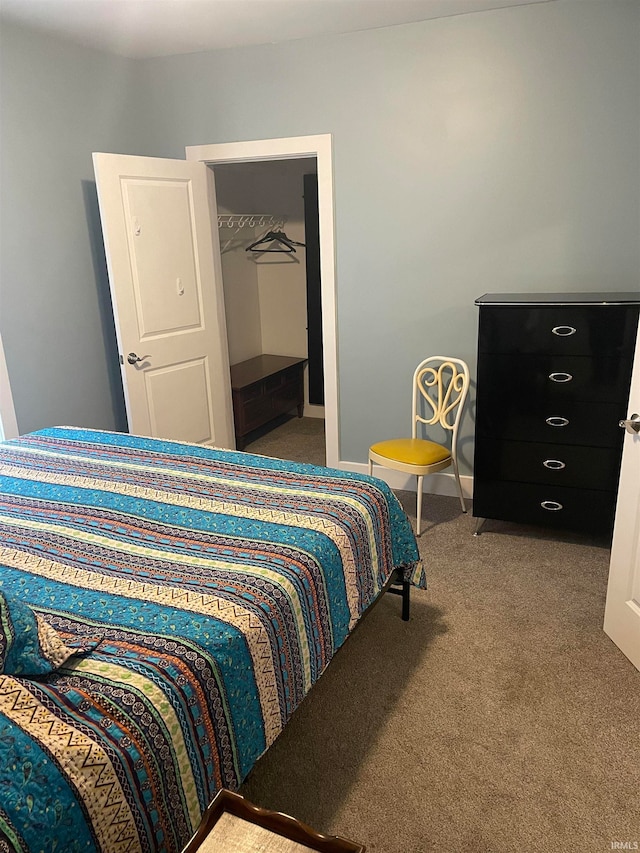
(298,439)
(500,718)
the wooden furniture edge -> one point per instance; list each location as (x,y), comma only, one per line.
(277,822)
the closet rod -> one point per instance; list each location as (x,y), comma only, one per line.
(249,220)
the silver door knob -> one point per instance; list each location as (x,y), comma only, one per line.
(632,425)
(132,358)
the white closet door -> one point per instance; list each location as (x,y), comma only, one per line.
(166,289)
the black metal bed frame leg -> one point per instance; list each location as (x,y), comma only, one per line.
(404,592)
(406,589)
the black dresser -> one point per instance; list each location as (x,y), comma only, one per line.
(554,371)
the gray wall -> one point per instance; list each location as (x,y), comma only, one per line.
(59,103)
(496,151)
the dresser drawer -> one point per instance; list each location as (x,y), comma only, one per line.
(256,412)
(554,377)
(290,395)
(549,506)
(272,383)
(600,331)
(553,464)
(293,374)
(563,422)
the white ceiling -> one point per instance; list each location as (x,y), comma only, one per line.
(139,28)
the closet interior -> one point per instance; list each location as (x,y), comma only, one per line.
(269,247)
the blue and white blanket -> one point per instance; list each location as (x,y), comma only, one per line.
(165,607)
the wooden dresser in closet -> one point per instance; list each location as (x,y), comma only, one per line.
(262,388)
(554,372)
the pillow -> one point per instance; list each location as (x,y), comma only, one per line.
(29,646)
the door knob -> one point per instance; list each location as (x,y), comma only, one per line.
(132,358)
(632,425)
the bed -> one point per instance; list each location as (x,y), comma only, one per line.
(164,608)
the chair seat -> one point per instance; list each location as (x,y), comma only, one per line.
(412,451)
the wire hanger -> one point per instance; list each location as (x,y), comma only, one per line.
(287,245)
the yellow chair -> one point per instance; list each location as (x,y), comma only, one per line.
(440,387)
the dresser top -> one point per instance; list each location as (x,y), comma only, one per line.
(254,369)
(596,298)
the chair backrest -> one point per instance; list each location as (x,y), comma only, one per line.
(441,384)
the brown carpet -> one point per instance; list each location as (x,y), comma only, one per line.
(297,439)
(500,718)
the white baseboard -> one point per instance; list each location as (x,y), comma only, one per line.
(313,411)
(442,483)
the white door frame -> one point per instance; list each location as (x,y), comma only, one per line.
(295,147)
(8,423)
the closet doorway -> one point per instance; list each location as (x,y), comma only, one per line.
(280,297)
(269,250)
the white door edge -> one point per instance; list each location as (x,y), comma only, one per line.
(295,147)
(622,608)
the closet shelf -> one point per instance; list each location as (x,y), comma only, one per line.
(250,220)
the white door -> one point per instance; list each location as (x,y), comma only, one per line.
(165,279)
(622,610)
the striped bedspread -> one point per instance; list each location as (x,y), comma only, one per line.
(213,588)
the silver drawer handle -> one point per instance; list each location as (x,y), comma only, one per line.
(564,331)
(551,506)
(560,377)
(557,422)
(554,464)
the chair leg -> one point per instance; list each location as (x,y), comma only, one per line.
(418,505)
(371,467)
(460,493)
